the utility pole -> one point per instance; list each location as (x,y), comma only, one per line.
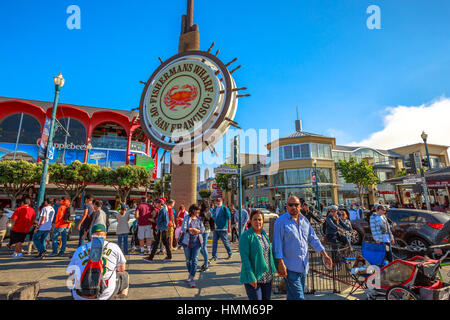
(236,160)
(424,182)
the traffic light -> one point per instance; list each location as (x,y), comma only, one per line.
(410,164)
(425,163)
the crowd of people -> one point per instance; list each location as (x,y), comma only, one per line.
(160,229)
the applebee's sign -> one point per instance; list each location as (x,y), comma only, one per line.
(70,146)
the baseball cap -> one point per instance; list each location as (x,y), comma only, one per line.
(123,206)
(163,200)
(332,207)
(98,228)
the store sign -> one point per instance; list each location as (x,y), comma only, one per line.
(185,97)
(144,161)
(98,156)
(439,184)
(69,146)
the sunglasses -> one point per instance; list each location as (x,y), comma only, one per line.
(293,204)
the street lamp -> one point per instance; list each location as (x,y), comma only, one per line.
(317,185)
(59,82)
(424,137)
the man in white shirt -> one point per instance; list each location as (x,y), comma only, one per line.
(114,275)
(43,228)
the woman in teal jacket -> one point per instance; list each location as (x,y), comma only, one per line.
(258,265)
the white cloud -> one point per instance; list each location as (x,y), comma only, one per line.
(403,125)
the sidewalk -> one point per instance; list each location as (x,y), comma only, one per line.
(157,280)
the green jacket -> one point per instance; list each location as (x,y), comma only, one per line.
(253,265)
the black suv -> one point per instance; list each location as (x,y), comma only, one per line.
(416,227)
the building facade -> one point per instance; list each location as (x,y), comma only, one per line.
(107,137)
(295,156)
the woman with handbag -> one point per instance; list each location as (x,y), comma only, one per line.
(258,264)
(192,241)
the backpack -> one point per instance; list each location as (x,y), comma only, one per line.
(92,284)
(70,211)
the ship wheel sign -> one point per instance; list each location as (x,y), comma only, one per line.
(190,99)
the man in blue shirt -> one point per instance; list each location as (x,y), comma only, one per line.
(222,218)
(162,225)
(292,235)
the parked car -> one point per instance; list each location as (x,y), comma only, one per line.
(113,220)
(414,227)
(8,212)
(267,213)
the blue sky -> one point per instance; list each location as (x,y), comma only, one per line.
(317,54)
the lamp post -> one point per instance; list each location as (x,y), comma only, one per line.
(59,82)
(317,185)
(424,137)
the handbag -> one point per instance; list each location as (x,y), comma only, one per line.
(183,233)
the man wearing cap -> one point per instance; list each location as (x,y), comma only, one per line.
(222,218)
(162,225)
(114,274)
(143,215)
(292,236)
(381,231)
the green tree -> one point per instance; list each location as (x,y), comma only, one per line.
(204,193)
(73,178)
(124,179)
(359,173)
(17,177)
(402,173)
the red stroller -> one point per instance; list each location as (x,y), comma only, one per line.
(411,279)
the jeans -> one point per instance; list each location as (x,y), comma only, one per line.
(88,236)
(389,257)
(223,235)
(56,232)
(263,291)
(204,249)
(191,259)
(123,242)
(295,284)
(161,234)
(40,240)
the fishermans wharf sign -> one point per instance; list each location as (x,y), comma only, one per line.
(189,98)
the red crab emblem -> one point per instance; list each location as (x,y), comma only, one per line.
(180,96)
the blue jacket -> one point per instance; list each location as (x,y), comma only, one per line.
(221,218)
(162,221)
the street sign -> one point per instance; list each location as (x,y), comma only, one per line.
(50,152)
(313,176)
(225,171)
(412,180)
(98,156)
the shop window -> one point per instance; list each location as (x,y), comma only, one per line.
(287,152)
(30,129)
(76,130)
(109,136)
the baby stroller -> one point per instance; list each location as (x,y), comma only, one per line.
(412,279)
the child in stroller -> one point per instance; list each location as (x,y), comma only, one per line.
(412,279)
